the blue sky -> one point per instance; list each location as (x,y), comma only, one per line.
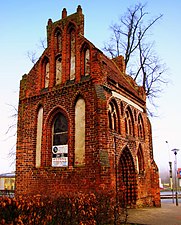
(23,24)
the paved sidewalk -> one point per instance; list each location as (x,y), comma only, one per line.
(168,214)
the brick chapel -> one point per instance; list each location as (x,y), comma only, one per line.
(82,122)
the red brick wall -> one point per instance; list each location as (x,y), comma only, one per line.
(104,148)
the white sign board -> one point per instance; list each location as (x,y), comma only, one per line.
(60,156)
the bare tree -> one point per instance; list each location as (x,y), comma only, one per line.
(42,43)
(32,55)
(12,128)
(12,132)
(129,38)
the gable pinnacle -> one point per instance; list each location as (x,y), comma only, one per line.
(79,9)
(64,13)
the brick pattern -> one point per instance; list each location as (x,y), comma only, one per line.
(110,156)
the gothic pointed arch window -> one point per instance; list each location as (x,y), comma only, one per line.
(58,40)
(129,122)
(79,159)
(58,65)
(60,141)
(60,130)
(141,132)
(39,136)
(140,161)
(46,72)
(113,117)
(72,51)
(85,60)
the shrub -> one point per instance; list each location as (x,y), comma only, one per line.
(77,209)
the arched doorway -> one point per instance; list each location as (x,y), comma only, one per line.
(127,177)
